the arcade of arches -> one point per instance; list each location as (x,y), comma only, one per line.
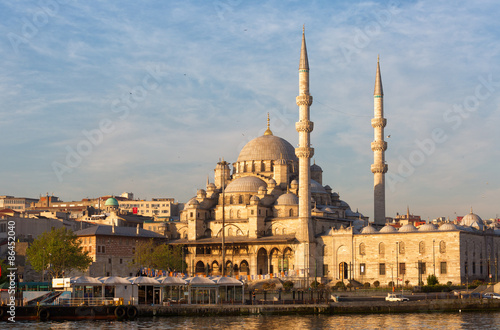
(241,260)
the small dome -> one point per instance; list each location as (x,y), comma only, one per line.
(327,209)
(192,202)
(328,188)
(335,194)
(287,199)
(111,202)
(254,198)
(245,184)
(388,229)
(262,190)
(427,227)
(316,168)
(294,183)
(317,188)
(369,230)
(448,226)
(409,227)
(211,186)
(470,218)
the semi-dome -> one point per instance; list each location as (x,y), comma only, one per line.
(388,229)
(448,226)
(267,147)
(470,218)
(427,227)
(193,202)
(317,188)
(369,230)
(287,199)
(111,202)
(245,184)
(409,227)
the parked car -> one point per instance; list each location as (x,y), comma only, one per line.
(491,295)
(395,297)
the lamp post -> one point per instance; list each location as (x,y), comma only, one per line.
(43,264)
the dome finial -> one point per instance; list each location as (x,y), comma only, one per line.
(268,130)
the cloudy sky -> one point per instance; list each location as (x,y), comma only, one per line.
(101,97)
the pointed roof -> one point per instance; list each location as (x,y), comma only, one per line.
(378,80)
(304,62)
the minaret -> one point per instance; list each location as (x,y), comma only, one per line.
(304,152)
(379,146)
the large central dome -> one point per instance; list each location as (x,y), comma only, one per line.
(267,147)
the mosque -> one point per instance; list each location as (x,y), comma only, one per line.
(271,215)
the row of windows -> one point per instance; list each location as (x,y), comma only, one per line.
(402,248)
(402,268)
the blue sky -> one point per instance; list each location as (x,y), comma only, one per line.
(100,98)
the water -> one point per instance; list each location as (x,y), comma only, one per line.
(469,320)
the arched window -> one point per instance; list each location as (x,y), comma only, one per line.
(401,247)
(230,232)
(362,249)
(276,231)
(262,167)
(290,213)
(421,247)
(381,249)
(240,199)
(442,247)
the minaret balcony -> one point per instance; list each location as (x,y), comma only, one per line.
(379,122)
(379,146)
(304,100)
(304,152)
(379,168)
(304,126)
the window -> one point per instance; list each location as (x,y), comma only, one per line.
(421,247)
(381,269)
(362,249)
(402,268)
(98,249)
(443,267)
(103,249)
(362,269)
(109,260)
(442,247)
(422,267)
(381,249)
(473,267)
(401,247)
(121,261)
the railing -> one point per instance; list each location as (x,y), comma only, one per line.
(89,301)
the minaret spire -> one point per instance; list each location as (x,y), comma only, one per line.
(379,146)
(304,152)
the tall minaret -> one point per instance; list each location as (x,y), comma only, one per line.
(379,146)
(304,152)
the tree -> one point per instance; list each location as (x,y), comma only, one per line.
(163,256)
(57,252)
(432,280)
(168,257)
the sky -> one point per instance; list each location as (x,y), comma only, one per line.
(101,97)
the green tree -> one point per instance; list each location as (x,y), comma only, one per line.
(432,280)
(168,257)
(57,252)
(163,256)
(143,254)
